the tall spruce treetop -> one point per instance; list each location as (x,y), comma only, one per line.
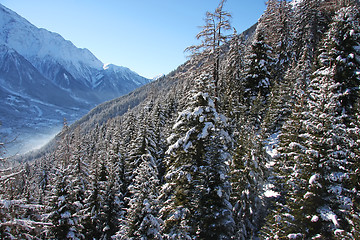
(213,36)
(232,88)
(258,75)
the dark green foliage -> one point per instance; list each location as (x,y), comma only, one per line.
(258,76)
(247,180)
(197,181)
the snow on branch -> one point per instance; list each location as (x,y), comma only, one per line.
(10,176)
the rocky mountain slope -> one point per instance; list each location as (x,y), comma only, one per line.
(45,78)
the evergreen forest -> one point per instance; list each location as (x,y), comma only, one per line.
(256,136)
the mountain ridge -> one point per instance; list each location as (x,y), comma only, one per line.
(40,68)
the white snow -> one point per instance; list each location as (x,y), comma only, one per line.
(271,193)
(295,145)
(198,111)
(294,236)
(66,215)
(308,194)
(271,145)
(313,178)
(177,124)
(337,189)
(187,146)
(314,218)
(205,131)
(39,111)
(327,71)
(219,192)
(327,215)
(170,138)
(312,153)
(268,192)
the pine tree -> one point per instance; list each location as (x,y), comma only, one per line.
(232,86)
(62,209)
(113,199)
(247,179)
(213,36)
(142,143)
(197,182)
(141,219)
(90,217)
(64,200)
(258,78)
(319,161)
(277,23)
(311,22)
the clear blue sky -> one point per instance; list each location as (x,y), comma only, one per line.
(147,36)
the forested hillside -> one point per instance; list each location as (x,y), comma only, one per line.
(255,137)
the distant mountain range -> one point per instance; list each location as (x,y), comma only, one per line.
(45,78)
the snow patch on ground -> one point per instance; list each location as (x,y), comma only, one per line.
(271,145)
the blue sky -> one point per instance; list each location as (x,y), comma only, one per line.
(147,36)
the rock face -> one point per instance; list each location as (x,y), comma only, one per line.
(45,78)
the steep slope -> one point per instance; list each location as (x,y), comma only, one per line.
(163,159)
(45,78)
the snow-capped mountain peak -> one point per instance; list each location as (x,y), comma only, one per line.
(115,68)
(37,44)
(47,74)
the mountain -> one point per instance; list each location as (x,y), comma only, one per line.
(45,78)
(271,152)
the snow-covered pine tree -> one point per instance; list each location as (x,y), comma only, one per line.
(141,219)
(130,127)
(319,202)
(231,88)
(113,198)
(285,169)
(258,77)
(142,143)
(62,198)
(277,24)
(247,180)
(20,214)
(311,21)
(44,178)
(354,131)
(77,170)
(213,36)
(342,52)
(62,209)
(197,172)
(339,62)
(160,122)
(90,215)
(142,180)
